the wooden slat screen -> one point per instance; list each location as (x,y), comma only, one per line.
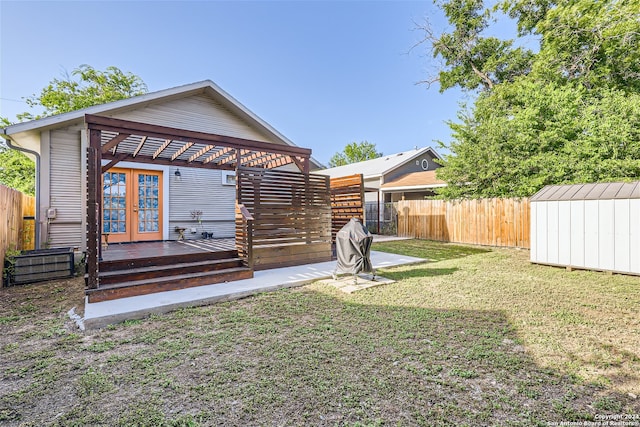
(289,208)
(492,222)
(16,232)
(347,201)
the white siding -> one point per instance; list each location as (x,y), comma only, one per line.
(606,218)
(577,233)
(201,189)
(65,189)
(198,113)
(552,232)
(541,232)
(591,234)
(533,229)
(564,233)
(621,238)
(634,236)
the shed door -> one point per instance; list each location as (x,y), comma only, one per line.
(132,205)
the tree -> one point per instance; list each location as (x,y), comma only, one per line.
(569,113)
(90,87)
(353,153)
(17,170)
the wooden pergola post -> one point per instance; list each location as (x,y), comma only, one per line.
(94,202)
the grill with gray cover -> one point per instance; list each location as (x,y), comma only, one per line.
(353,249)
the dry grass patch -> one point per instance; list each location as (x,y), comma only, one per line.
(478,338)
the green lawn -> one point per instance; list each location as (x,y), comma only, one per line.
(474,337)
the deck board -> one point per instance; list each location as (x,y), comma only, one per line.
(121,251)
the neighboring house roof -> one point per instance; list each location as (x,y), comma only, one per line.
(414,181)
(205,86)
(379,166)
(594,191)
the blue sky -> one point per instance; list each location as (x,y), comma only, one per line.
(323,73)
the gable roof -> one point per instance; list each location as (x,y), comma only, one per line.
(378,166)
(413,181)
(206,86)
(593,191)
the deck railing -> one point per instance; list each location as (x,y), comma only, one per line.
(244,234)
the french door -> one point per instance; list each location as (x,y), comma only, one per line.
(132,205)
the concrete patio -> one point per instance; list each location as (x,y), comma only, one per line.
(100,314)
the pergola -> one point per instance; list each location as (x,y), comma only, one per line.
(118,140)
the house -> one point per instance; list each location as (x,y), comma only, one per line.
(409,175)
(163,170)
(179,201)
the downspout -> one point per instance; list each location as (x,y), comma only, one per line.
(7,138)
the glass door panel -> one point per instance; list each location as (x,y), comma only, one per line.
(132,205)
(148,206)
(115,221)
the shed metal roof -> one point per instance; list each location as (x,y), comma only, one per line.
(592,191)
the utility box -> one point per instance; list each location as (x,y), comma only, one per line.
(40,265)
(590,226)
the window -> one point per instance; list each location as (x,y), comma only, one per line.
(228,178)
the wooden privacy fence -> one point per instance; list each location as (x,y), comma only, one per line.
(17,223)
(347,201)
(492,222)
(291,217)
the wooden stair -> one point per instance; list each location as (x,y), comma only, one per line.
(141,276)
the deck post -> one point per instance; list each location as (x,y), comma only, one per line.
(94,195)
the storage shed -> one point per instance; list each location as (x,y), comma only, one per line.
(590,226)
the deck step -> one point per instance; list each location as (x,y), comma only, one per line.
(158,271)
(126,289)
(154,261)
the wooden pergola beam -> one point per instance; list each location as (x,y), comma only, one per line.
(118,125)
(117,158)
(182,149)
(217,154)
(140,145)
(201,152)
(113,142)
(163,147)
(168,162)
(262,161)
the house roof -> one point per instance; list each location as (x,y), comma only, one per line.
(378,166)
(414,181)
(593,191)
(205,86)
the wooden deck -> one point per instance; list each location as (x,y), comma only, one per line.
(124,251)
(131,269)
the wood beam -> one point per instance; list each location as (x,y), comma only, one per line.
(217,154)
(233,158)
(155,131)
(115,141)
(260,162)
(94,202)
(182,149)
(201,152)
(280,161)
(140,145)
(116,159)
(168,162)
(164,145)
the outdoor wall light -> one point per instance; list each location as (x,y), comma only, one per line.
(178,174)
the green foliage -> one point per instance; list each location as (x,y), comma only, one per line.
(353,153)
(91,87)
(17,170)
(566,114)
(88,87)
(526,135)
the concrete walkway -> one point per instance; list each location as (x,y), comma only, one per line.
(100,314)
